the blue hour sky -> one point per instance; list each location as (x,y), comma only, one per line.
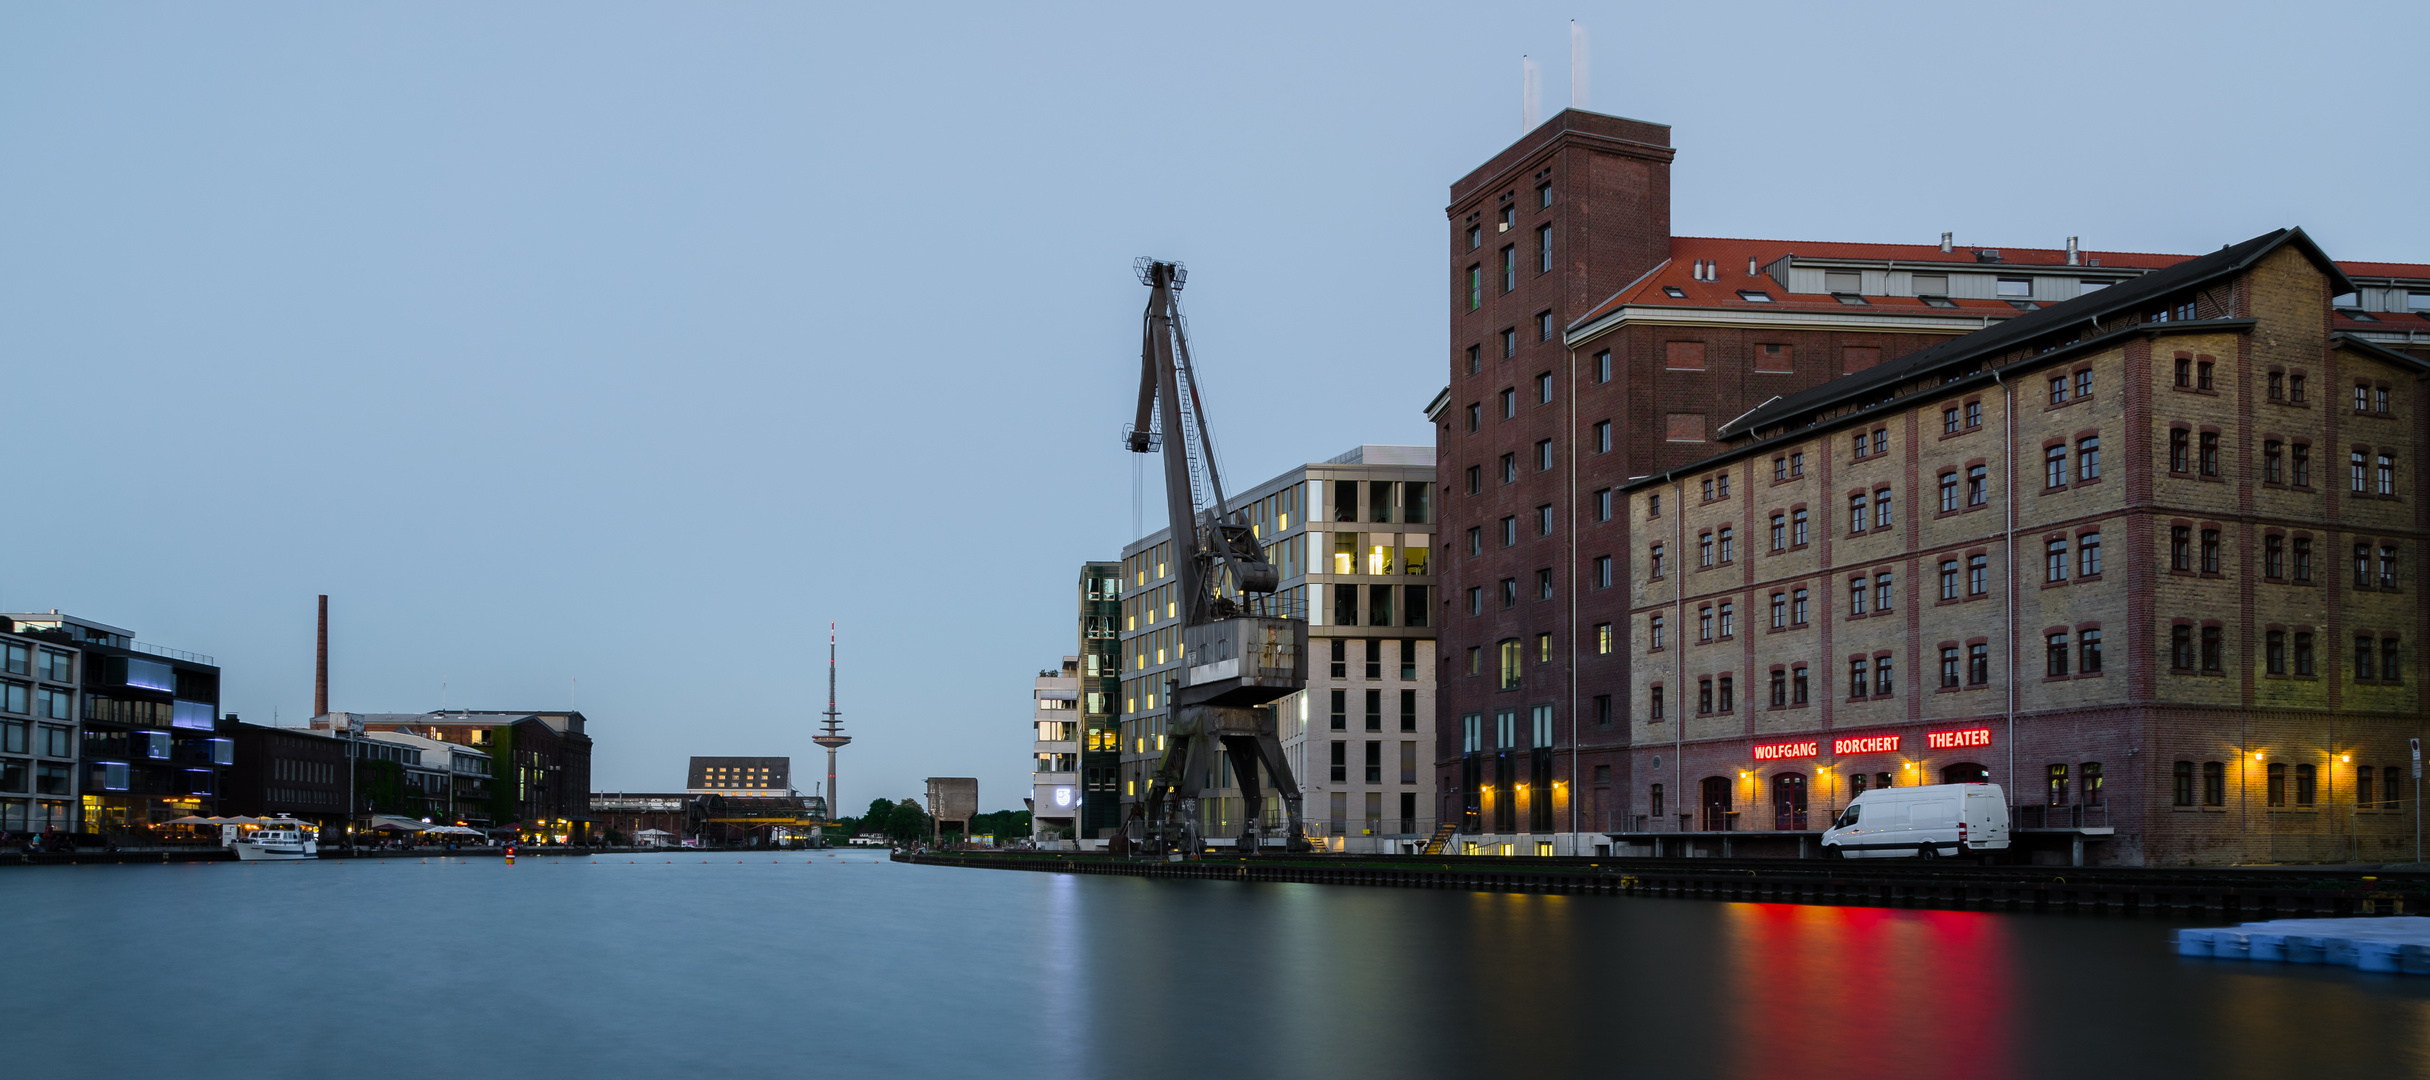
(612,350)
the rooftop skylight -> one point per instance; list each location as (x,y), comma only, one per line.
(1755,296)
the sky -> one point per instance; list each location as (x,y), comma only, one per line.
(605,353)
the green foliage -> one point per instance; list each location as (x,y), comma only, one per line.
(880,813)
(907,823)
(503,805)
(1005,825)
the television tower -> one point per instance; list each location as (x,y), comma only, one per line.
(833,738)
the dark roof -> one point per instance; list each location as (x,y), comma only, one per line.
(2380,352)
(2131,295)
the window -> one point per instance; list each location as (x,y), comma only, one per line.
(2088,651)
(1603,504)
(1510,343)
(1974,415)
(2180,548)
(1881,509)
(2054,467)
(1949,492)
(1978,664)
(1721,486)
(2054,560)
(1797,685)
(2180,453)
(1510,267)
(1881,441)
(2181,648)
(2058,389)
(1544,455)
(2306,783)
(1476,603)
(1857,592)
(2274,652)
(2202,375)
(2055,655)
(1653,505)
(1476,416)
(1476,284)
(2277,385)
(1510,468)
(1704,623)
(1729,619)
(1511,659)
(1544,520)
(2379,400)
(2271,453)
(1704,549)
(1881,592)
(2387,567)
(2295,389)
(1949,579)
(2210,453)
(1544,248)
(1797,464)
(2055,787)
(1509,401)
(1863,443)
(1780,532)
(2305,664)
(1797,528)
(2387,475)
(1978,575)
(1728,545)
(2303,559)
(1603,571)
(2214,784)
(2211,649)
(1603,639)
(1510,531)
(1949,667)
(1654,632)
(2210,551)
(1704,695)
(2018,288)
(2088,458)
(1978,486)
(1341,762)
(1780,688)
(1475,480)
(2364,655)
(1474,364)
(1654,703)
(1729,696)
(1856,512)
(1797,607)
(2275,784)
(1881,676)
(1780,611)
(2299,460)
(2361,474)
(1603,366)
(1603,436)
(1544,388)
(2181,784)
(1949,420)
(1858,683)
(1655,559)
(2389,650)
(2362,397)
(2088,555)
(1510,592)
(2273,556)
(2185,371)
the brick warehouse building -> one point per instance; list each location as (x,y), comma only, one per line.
(2202,436)
(1589,347)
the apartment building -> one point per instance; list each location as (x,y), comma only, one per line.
(2141,557)
(1589,347)
(1054,779)
(1100,593)
(540,763)
(141,723)
(1353,539)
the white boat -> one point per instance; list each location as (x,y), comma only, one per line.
(277,840)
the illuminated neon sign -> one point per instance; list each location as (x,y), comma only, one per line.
(1786,750)
(1950,740)
(1865,744)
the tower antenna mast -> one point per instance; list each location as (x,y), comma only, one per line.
(833,738)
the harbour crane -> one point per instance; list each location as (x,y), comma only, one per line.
(1240,650)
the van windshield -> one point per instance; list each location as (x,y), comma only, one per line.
(1849,818)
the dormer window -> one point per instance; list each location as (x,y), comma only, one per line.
(1674,292)
(1850,299)
(2015,288)
(1755,296)
(1842,281)
(1936,300)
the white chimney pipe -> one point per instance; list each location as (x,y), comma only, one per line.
(1948,242)
(1577,65)
(2074,257)
(1530,95)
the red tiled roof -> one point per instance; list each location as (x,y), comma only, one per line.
(2380,269)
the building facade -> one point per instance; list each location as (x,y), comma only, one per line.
(140,722)
(1054,779)
(295,772)
(2140,557)
(540,762)
(1357,737)
(1100,693)
(1589,348)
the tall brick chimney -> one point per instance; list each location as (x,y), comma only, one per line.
(320,664)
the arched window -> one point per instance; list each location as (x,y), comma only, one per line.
(1789,801)
(1965,772)
(1715,804)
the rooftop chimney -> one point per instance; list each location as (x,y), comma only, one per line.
(1948,243)
(320,664)
(2074,257)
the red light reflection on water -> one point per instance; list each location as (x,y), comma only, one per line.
(1892,992)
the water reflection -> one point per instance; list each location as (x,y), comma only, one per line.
(842,968)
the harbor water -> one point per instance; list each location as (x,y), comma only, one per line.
(846,965)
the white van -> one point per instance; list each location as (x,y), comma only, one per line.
(1923,822)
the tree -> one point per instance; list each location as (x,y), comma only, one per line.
(876,819)
(906,823)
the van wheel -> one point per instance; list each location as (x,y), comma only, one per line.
(1834,851)
(1928,851)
